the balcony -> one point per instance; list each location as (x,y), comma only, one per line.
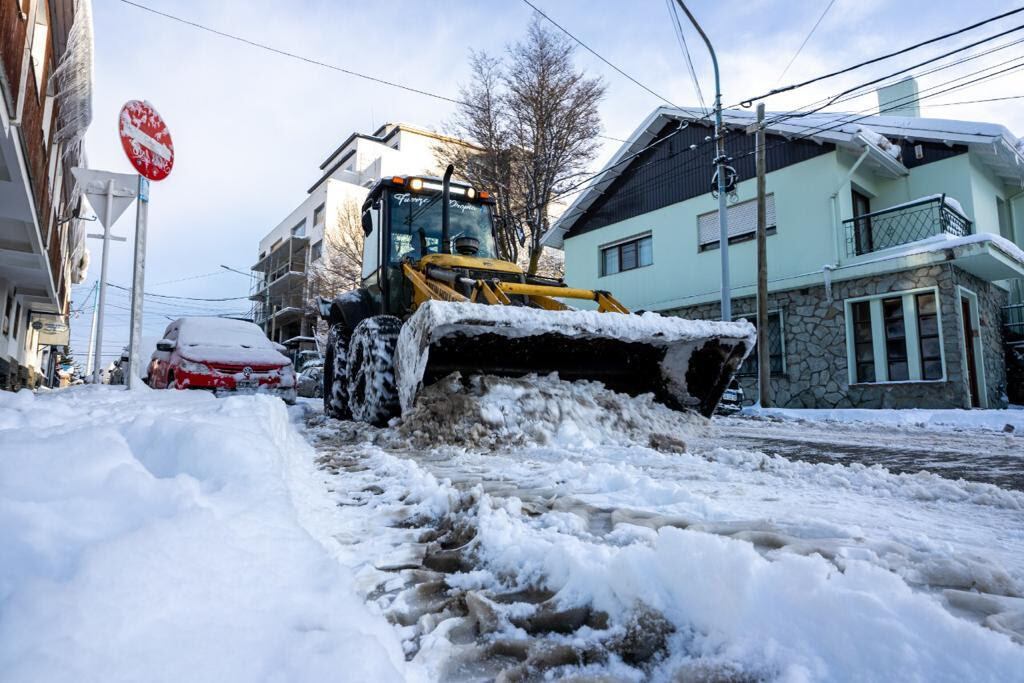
(903,224)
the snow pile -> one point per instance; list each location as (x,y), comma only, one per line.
(791,617)
(160,536)
(953,418)
(483,412)
(880,141)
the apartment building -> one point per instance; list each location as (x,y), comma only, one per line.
(46,88)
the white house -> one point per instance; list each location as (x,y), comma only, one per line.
(893,248)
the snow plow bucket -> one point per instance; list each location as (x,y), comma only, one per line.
(686,364)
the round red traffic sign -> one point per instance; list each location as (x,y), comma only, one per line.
(146,140)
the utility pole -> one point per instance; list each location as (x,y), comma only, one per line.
(763,354)
(720,159)
(92,331)
(134,376)
(109,210)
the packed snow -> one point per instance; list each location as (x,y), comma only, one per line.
(519,529)
(995,420)
(160,536)
(559,547)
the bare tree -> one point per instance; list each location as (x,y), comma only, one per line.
(339,268)
(534,118)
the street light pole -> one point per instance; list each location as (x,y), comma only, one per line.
(720,159)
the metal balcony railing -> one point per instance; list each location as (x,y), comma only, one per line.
(903,224)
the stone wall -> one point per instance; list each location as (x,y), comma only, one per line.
(816,373)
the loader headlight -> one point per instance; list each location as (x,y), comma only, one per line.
(416,184)
(470,192)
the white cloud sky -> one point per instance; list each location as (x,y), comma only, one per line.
(251,128)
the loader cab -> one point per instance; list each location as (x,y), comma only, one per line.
(402,221)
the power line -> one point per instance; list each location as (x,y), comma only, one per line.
(681,39)
(990,99)
(875,60)
(811,33)
(310,60)
(598,55)
(182,298)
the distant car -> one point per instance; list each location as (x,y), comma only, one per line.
(221,355)
(310,383)
(732,399)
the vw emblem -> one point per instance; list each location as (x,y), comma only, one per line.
(247,371)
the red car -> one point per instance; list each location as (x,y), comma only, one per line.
(221,355)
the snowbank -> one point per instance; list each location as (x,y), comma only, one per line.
(159,536)
(995,420)
(491,412)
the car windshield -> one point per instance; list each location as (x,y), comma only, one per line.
(416,225)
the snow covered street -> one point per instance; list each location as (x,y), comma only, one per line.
(510,530)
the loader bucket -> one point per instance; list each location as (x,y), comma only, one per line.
(686,364)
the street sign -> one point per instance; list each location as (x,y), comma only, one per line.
(52,328)
(99,186)
(146,140)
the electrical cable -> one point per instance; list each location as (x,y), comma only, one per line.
(889,55)
(800,49)
(681,39)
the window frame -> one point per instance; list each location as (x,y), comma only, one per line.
(632,241)
(782,343)
(915,370)
(316,251)
(295,231)
(320,211)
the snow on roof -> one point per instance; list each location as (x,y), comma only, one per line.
(846,130)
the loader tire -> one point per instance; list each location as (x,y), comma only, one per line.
(335,377)
(372,392)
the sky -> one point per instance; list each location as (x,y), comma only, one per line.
(251,127)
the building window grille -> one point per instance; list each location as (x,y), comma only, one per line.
(628,255)
(863,347)
(895,339)
(776,347)
(928,336)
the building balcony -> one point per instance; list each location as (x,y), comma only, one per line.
(903,224)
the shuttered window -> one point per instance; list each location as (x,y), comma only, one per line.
(742,223)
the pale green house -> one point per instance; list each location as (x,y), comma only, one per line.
(893,249)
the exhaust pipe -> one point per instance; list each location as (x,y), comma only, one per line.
(446,191)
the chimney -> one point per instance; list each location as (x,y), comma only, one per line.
(899,99)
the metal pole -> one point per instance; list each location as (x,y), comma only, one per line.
(92,331)
(720,158)
(763,353)
(138,284)
(98,368)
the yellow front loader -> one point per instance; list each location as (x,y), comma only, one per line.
(436,299)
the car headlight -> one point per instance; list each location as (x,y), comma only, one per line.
(194,367)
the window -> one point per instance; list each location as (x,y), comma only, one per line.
(895,338)
(742,223)
(300,229)
(776,347)
(7,314)
(634,253)
(316,251)
(17,321)
(864,349)
(862,228)
(928,336)
(318,216)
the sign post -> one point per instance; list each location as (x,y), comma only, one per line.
(147,143)
(109,194)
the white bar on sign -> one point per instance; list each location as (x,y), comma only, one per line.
(147,141)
